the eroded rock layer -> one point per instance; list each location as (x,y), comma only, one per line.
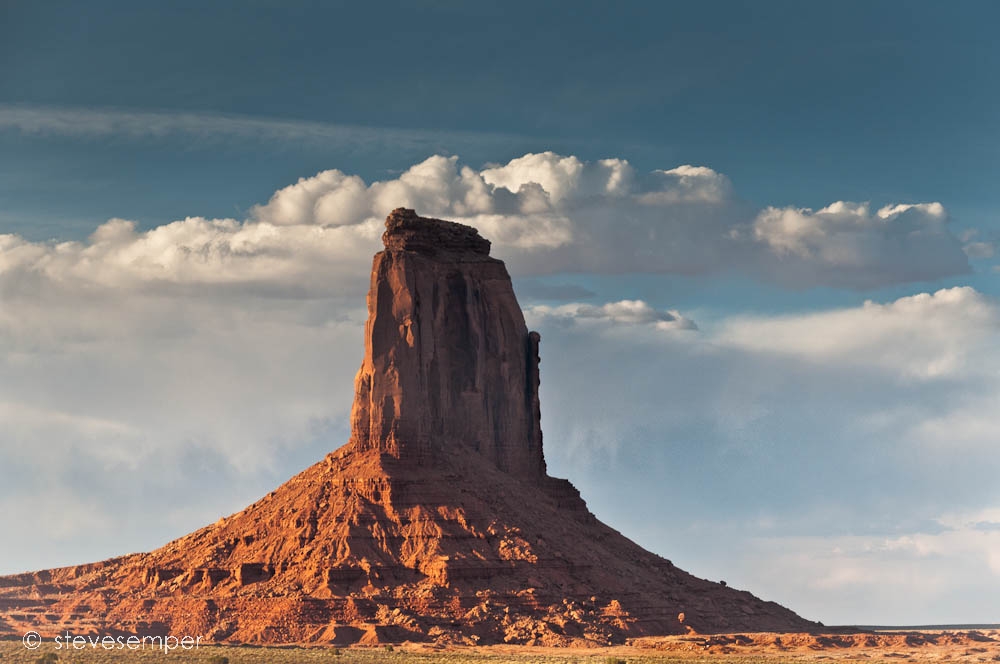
(449,365)
(436,521)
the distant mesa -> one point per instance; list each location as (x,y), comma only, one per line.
(437,521)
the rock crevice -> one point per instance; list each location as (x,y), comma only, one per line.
(449,362)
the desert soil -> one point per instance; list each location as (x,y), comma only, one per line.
(764,648)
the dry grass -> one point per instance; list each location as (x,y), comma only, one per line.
(12,652)
(970,647)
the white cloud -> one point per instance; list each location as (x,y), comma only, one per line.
(195,252)
(949,332)
(545,214)
(977,247)
(803,232)
(138,403)
(67,515)
(557,176)
(689,184)
(916,574)
(967,427)
(208,127)
(549,213)
(627,312)
(979,250)
(816,447)
(845,244)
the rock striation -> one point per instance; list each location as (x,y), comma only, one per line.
(449,364)
(437,520)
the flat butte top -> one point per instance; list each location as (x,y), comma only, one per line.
(405,230)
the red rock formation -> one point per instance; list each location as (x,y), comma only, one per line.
(437,521)
(449,364)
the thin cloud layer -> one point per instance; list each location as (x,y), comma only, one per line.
(104,123)
(916,571)
(922,336)
(627,312)
(835,447)
(160,410)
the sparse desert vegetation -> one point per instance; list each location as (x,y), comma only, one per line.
(12,652)
(973,646)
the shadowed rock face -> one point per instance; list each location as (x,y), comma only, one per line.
(436,521)
(449,363)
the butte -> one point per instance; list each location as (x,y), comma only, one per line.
(437,521)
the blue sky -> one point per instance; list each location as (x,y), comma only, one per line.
(796,104)
(770,168)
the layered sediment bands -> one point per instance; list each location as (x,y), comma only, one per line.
(449,363)
(435,522)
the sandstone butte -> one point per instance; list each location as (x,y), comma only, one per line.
(436,521)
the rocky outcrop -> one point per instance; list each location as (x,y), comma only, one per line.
(435,522)
(449,363)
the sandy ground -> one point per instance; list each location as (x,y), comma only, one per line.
(908,646)
(870,647)
(971,646)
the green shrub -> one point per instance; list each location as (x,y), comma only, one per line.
(218,659)
(389,648)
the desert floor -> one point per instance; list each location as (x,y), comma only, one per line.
(895,647)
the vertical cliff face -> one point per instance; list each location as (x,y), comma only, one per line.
(449,362)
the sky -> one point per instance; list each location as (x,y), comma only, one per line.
(759,241)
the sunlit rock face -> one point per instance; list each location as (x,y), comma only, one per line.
(448,362)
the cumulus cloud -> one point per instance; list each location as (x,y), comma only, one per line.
(688,184)
(801,231)
(193,252)
(845,244)
(545,213)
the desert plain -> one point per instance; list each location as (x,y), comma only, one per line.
(946,645)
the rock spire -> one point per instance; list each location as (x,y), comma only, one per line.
(449,362)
